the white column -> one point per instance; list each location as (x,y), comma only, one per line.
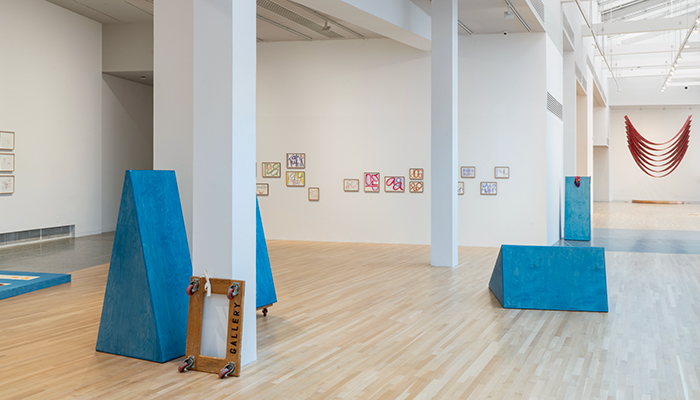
(222,105)
(444,163)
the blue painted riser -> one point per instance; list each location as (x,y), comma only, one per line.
(577,209)
(145,308)
(16,287)
(551,278)
(265,285)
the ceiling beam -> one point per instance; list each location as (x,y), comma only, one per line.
(646,49)
(642,26)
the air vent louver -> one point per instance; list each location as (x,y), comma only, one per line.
(554,106)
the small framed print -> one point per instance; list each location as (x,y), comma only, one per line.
(262,189)
(460,188)
(7,140)
(313,194)
(394,184)
(296,160)
(415,186)
(501,172)
(372,182)
(7,162)
(271,170)
(351,185)
(295,178)
(415,174)
(468,172)
(7,184)
(489,188)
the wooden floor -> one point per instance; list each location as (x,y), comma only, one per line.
(363,321)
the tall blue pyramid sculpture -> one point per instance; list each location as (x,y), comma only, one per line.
(145,307)
(265,294)
(551,278)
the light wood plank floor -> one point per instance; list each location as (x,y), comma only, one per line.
(363,321)
(665,217)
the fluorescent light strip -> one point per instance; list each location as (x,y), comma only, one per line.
(517,14)
(680,49)
(461,25)
(260,17)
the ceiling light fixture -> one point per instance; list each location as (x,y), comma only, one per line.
(683,45)
(595,41)
(517,14)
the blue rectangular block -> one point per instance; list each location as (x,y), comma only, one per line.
(15,287)
(577,209)
(551,278)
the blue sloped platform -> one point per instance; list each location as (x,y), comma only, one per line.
(265,285)
(145,308)
(551,278)
(14,283)
(577,209)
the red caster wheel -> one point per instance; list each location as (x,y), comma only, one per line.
(187,364)
(264,312)
(227,370)
(193,287)
(233,290)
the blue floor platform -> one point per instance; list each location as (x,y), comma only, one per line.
(641,241)
(12,283)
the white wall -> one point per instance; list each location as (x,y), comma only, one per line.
(555,142)
(51,83)
(127,47)
(127,139)
(627,181)
(601,173)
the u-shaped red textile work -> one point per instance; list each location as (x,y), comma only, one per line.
(658,159)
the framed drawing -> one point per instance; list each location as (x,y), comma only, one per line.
(415,186)
(460,188)
(7,184)
(7,140)
(468,172)
(313,194)
(7,162)
(394,184)
(296,160)
(271,170)
(372,182)
(262,189)
(351,185)
(415,174)
(295,178)
(501,172)
(489,188)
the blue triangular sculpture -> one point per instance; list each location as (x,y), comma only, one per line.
(144,314)
(265,294)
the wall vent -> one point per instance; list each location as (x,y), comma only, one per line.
(567,28)
(297,19)
(538,5)
(581,79)
(37,235)
(555,107)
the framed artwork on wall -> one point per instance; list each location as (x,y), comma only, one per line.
(314,194)
(7,162)
(372,182)
(296,160)
(394,184)
(351,185)
(271,170)
(488,188)
(415,174)
(262,189)
(7,184)
(295,178)
(415,186)
(468,172)
(7,140)
(501,172)
(460,188)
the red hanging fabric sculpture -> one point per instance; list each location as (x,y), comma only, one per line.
(658,159)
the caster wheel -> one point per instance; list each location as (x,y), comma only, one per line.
(193,287)
(190,290)
(227,370)
(264,312)
(233,291)
(187,364)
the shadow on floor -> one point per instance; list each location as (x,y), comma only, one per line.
(641,241)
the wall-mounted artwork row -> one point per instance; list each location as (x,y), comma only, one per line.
(468,172)
(488,188)
(394,184)
(460,188)
(271,170)
(296,160)
(262,189)
(7,184)
(415,174)
(501,172)
(7,140)
(314,194)
(7,162)
(415,186)
(351,185)
(372,182)
(295,178)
